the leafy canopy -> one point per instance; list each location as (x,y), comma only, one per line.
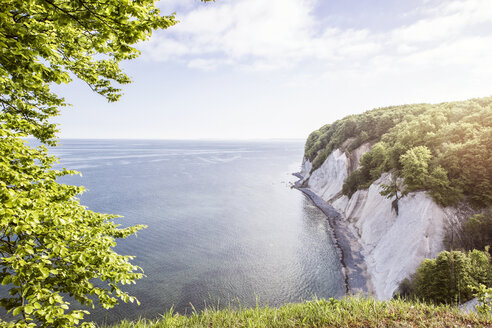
(50,41)
(52,249)
(443,149)
(50,245)
(452,277)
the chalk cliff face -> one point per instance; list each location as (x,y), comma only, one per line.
(393,245)
(327,180)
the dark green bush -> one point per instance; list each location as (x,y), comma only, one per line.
(451,277)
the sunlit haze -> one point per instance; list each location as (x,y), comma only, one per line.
(256,69)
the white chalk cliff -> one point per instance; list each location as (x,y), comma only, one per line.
(393,245)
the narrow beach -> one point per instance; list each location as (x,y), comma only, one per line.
(357,279)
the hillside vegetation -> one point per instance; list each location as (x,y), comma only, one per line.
(348,312)
(453,277)
(443,148)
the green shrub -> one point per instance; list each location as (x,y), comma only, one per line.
(451,277)
(484,296)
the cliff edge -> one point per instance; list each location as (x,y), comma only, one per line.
(401,177)
(393,245)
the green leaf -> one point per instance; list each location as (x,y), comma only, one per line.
(28,309)
(45,272)
(17,310)
(6,280)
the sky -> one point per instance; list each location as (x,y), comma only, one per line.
(263,69)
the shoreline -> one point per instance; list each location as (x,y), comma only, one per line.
(357,280)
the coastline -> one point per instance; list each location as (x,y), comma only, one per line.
(357,279)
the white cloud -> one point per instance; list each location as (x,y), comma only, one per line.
(244,30)
(203,64)
(275,34)
(171,6)
(446,21)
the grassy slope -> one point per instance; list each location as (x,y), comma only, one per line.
(348,312)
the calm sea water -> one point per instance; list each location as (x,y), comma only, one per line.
(224,226)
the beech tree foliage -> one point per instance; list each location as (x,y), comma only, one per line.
(443,149)
(52,249)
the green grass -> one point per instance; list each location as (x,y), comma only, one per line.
(348,312)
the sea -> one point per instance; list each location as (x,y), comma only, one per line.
(225,226)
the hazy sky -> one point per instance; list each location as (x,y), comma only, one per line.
(241,69)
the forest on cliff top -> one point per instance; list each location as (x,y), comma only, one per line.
(443,148)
